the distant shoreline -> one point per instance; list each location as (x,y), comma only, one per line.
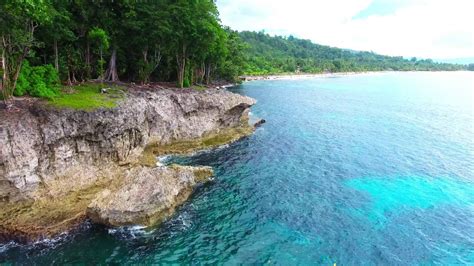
(325,75)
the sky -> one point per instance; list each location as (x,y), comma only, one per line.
(440,29)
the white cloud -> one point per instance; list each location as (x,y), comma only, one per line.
(422,28)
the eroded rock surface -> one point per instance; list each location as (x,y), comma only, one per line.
(147,196)
(47,155)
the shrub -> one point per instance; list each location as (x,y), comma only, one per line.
(22,84)
(186,83)
(38,81)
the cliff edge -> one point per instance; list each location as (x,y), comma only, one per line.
(61,166)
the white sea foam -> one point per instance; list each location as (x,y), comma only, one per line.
(6,246)
(134,231)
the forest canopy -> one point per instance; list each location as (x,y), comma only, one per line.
(269,55)
(45,43)
(140,41)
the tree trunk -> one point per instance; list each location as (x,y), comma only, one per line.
(208,73)
(11,64)
(181,64)
(111,73)
(145,66)
(18,69)
(202,73)
(151,61)
(88,58)
(74,80)
(181,61)
(69,82)
(4,68)
(101,65)
(56,56)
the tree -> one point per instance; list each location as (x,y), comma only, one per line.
(59,31)
(150,24)
(18,23)
(276,54)
(181,35)
(234,62)
(192,24)
(99,38)
(166,40)
(217,52)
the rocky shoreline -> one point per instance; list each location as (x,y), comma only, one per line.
(59,167)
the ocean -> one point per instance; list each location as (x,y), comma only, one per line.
(370,169)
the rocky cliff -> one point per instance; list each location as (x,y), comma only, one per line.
(57,166)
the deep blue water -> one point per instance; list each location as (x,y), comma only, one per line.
(358,170)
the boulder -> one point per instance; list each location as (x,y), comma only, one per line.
(147,195)
(259,123)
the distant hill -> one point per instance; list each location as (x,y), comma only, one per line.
(267,54)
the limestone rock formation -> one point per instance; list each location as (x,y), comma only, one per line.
(55,162)
(147,196)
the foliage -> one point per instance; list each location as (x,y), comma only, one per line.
(88,97)
(185,84)
(100,38)
(161,40)
(18,22)
(269,55)
(38,81)
(233,64)
(152,40)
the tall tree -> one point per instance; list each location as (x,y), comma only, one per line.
(112,18)
(190,20)
(99,39)
(18,23)
(150,24)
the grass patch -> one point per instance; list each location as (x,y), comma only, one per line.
(199,87)
(88,97)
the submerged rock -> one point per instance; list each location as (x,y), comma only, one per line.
(147,195)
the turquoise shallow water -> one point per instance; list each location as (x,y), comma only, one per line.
(359,170)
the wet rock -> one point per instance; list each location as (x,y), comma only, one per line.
(147,195)
(259,123)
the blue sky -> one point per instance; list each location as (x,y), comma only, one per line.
(381,8)
(421,28)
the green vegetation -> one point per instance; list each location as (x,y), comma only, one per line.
(88,97)
(162,40)
(180,41)
(38,81)
(274,55)
(19,21)
(199,87)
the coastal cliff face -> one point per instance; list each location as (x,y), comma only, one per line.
(70,159)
